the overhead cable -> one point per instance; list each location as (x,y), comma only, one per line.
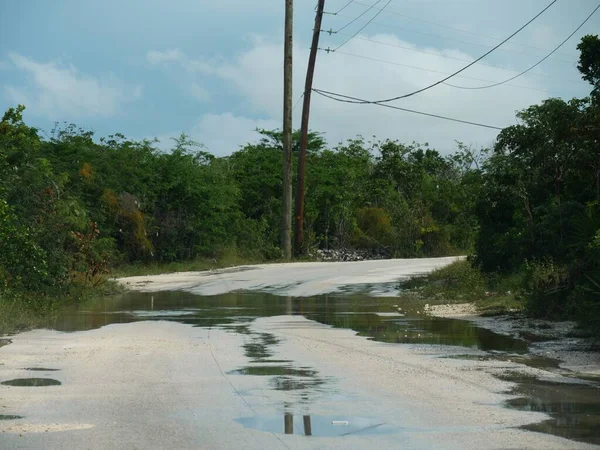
(342,8)
(437,83)
(460,30)
(363,13)
(446,38)
(425,52)
(429,70)
(535,65)
(437,116)
(363,27)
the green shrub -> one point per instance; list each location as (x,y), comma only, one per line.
(459,281)
(546,288)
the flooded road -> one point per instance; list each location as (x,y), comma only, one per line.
(380,319)
(265,371)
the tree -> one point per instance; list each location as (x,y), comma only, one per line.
(589,61)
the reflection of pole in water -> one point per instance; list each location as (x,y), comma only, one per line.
(288,306)
(152,303)
(288,421)
(288,424)
(307,426)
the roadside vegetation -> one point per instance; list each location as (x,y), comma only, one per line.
(538,214)
(76,209)
(462,282)
(22,310)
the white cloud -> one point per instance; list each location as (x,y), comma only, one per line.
(255,75)
(222,134)
(159,57)
(56,89)
(199,92)
(193,68)
(175,55)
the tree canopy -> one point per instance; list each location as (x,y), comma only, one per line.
(72,206)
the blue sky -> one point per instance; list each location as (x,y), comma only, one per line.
(151,68)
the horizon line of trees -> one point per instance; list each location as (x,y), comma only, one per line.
(71,207)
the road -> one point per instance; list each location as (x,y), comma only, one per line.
(161,384)
(295,279)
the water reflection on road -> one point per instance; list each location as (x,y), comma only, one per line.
(374,318)
(318,426)
(574,411)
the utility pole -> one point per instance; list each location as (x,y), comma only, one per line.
(299,235)
(288,423)
(286,220)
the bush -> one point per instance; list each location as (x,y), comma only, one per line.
(546,287)
(586,298)
(22,261)
(459,281)
(374,228)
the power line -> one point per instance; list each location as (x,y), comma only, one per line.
(362,38)
(363,27)
(342,8)
(356,100)
(356,18)
(297,101)
(459,29)
(536,64)
(437,36)
(387,100)
(430,70)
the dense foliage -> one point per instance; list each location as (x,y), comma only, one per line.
(539,207)
(72,206)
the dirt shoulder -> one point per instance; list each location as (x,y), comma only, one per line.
(548,339)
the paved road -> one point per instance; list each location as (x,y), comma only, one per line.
(295,279)
(166,385)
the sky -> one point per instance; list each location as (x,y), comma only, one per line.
(214,69)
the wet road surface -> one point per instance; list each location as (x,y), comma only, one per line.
(252,370)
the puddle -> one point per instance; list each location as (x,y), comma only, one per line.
(238,329)
(303,380)
(378,319)
(587,377)
(274,370)
(9,417)
(162,314)
(374,318)
(32,382)
(234,269)
(41,369)
(535,361)
(314,385)
(258,348)
(574,408)
(318,426)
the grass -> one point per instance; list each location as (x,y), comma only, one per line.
(21,311)
(15,317)
(224,260)
(230,260)
(461,283)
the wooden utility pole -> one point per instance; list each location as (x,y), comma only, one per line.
(299,235)
(286,220)
(288,423)
(307,426)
